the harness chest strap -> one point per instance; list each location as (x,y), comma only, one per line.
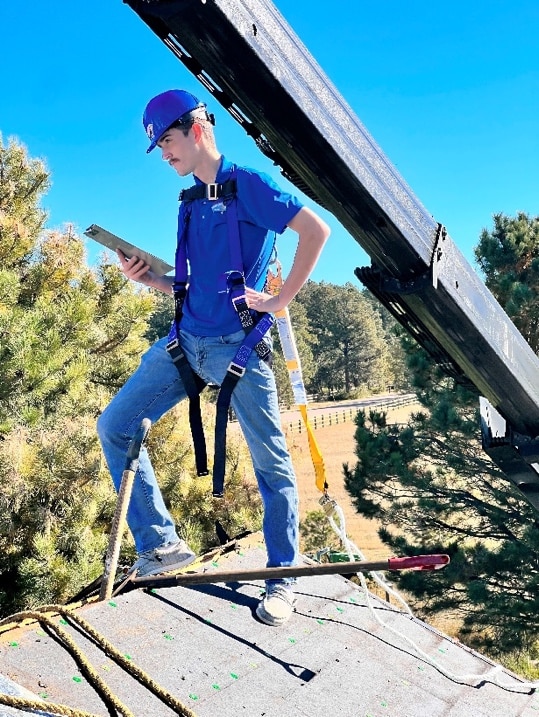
(209,191)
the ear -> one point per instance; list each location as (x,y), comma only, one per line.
(197,132)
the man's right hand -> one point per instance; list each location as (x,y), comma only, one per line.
(135,268)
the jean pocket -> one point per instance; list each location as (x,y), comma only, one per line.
(231,339)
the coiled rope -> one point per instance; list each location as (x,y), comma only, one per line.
(41,615)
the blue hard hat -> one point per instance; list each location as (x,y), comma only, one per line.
(164,110)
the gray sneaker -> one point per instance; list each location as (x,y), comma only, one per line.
(162,560)
(277,605)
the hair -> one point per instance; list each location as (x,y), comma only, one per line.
(204,124)
(204,120)
(183,126)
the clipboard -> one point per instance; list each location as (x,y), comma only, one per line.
(111,241)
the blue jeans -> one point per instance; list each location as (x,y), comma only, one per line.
(153,389)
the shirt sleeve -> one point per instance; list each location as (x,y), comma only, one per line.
(263,202)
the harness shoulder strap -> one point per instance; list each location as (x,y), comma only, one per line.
(192,382)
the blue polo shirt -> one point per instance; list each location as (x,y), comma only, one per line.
(263,211)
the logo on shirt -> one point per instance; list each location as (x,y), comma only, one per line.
(219,207)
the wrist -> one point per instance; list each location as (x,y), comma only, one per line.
(161,283)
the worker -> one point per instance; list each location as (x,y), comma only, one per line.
(229,201)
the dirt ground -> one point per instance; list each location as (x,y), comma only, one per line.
(337,446)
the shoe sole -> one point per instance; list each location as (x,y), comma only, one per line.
(168,569)
(268,619)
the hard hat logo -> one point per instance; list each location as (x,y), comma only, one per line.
(164,110)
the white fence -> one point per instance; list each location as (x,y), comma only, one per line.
(322,418)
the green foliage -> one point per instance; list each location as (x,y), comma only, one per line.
(63,326)
(523,663)
(509,257)
(54,509)
(316,532)
(397,373)
(161,317)
(351,348)
(22,183)
(434,489)
(69,335)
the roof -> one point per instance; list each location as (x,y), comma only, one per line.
(344,652)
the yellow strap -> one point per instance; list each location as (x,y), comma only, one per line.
(316,455)
(293,364)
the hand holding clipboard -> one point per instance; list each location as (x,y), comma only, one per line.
(111,241)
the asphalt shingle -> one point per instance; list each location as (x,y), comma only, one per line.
(204,645)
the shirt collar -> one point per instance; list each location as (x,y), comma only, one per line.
(223,173)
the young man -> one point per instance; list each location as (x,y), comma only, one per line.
(235,218)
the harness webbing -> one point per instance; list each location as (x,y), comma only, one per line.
(293,364)
(235,371)
(254,324)
(193,386)
(208,191)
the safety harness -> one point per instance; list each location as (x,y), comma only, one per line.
(256,325)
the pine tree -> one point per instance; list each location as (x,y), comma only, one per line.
(352,355)
(508,257)
(69,336)
(162,316)
(435,490)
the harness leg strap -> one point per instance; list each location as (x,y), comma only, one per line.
(252,341)
(221,422)
(193,386)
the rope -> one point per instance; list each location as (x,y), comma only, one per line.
(93,677)
(492,676)
(42,707)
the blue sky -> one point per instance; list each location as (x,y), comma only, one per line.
(449,91)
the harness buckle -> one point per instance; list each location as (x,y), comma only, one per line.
(212,191)
(237,300)
(236,369)
(174,350)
